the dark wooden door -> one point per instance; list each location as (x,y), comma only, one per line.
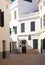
(24,46)
(4,52)
(10,47)
(43,47)
(43,43)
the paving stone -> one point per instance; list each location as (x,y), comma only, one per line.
(24,59)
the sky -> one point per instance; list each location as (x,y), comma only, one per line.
(12,0)
(25,0)
(28,0)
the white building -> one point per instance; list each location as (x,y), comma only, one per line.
(27,28)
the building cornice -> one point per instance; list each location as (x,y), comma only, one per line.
(29,16)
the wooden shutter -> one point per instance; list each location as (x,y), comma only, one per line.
(2,19)
(35,44)
(32,26)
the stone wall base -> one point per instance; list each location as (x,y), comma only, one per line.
(6,54)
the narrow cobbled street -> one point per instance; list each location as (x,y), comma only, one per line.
(24,59)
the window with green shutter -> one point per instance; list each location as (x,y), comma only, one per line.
(22,27)
(10,31)
(35,43)
(15,29)
(33,26)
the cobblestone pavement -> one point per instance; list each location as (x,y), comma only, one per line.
(24,59)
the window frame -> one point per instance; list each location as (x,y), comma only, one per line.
(43,3)
(15,29)
(33,26)
(44,20)
(35,42)
(22,27)
(29,37)
(15,15)
(1,19)
(41,22)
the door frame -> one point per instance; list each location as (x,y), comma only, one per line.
(4,48)
(42,45)
(23,46)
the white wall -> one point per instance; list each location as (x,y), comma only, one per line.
(34,35)
(13,22)
(24,7)
(28,25)
(30,42)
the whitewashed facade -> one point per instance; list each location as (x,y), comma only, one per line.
(26,13)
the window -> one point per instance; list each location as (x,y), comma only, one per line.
(1,19)
(41,7)
(29,0)
(10,17)
(6,6)
(44,20)
(41,22)
(10,31)
(15,29)
(15,14)
(29,37)
(43,3)
(14,45)
(22,27)
(35,43)
(33,26)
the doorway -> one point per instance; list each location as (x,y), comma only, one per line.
(14,48)
(4,52)
(23,46)
(10,47)
(43,46)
